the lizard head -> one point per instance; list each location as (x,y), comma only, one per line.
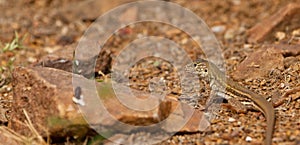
(199,67)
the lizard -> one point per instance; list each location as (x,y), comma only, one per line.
(234,92)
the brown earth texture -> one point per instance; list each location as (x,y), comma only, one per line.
(47,72)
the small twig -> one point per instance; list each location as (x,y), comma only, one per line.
(102,74)
(9,101)
(85,141)
(2,82)
(286,95)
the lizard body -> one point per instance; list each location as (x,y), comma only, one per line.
(234,91)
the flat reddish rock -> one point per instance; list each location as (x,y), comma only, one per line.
(192,120)
(259,64)
(167,114)
(47,95)
(287,14)
(286,49)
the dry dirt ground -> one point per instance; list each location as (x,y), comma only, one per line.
(43,27)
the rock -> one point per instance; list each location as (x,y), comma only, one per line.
(263,30)
(65,40)
(288,61)
(169,115)
(61,59)
(286,49)
(192,120)
(259,64)
(196,123)
(47,95)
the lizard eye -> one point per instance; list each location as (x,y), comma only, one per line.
(195,64)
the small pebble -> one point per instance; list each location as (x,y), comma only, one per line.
(279,35)
(248,139)
(62,61)
(247,46)
(8,89)
(231,119)
(296,32)
(236,2)
(218,29)
(229,34)
(31,59)
(76,62)
(282,85)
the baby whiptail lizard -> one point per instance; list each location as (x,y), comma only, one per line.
(232,91)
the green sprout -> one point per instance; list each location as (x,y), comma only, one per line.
(7,67)
(17,42)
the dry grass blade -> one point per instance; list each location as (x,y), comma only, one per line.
(33,130)
(47,132)
(14,135)
(27,140)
